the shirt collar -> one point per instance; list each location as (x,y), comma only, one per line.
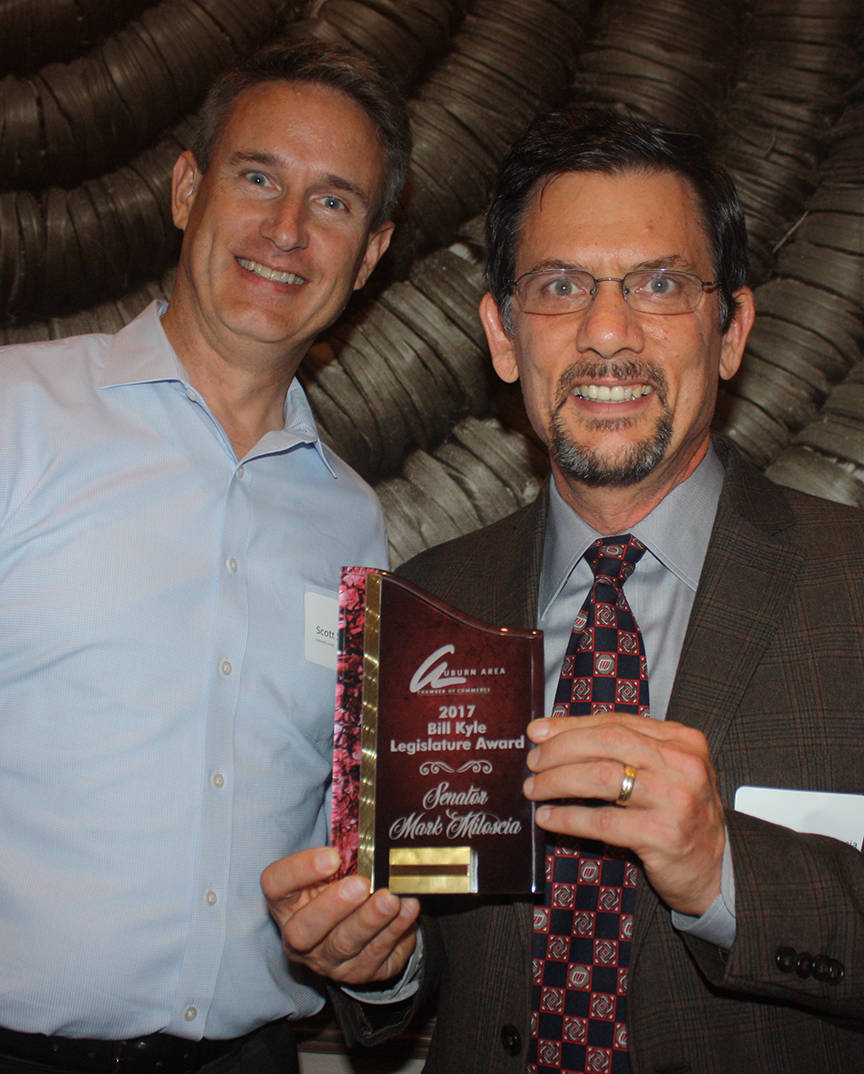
(676,532)
(141,354)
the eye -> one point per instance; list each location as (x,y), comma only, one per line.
(330,201)
(257,178)
(560,286)
(661,284)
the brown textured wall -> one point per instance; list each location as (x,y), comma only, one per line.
(96,102)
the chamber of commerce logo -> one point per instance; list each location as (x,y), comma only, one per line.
(433,673)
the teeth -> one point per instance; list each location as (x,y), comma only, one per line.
(602,393)
(268,273)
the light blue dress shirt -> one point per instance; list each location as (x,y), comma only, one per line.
(660,592)
(167,619)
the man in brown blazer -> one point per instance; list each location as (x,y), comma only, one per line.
(617,267)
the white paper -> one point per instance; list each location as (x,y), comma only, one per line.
(815,812)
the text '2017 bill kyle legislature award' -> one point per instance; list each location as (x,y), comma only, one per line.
(430,745)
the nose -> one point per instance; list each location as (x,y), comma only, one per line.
(284,222)
(608,325)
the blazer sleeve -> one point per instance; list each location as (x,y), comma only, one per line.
(800,921)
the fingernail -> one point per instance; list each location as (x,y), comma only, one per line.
(388,903)
(542,814)
(528,786)
(327,860)
(356,888)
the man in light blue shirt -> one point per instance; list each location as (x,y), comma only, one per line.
(171,533)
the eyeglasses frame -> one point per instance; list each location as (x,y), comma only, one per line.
(704,284)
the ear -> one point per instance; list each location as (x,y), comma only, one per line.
(184,186)
(499,340)
(376,246)
(735,338)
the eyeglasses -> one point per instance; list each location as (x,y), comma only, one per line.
(554,291)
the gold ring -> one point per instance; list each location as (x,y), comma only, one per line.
(628,782)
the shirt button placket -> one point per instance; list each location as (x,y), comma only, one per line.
(209,922)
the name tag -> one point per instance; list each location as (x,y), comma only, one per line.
(322,622)
(813,812)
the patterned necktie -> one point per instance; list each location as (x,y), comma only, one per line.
(582,932)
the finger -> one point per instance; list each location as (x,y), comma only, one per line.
(311,922)
(582,744)
(596,779)
(370,943)
(287,878)
(547,728)
(376,925)
(631,740)
(383,955)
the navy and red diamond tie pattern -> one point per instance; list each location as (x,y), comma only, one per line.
(582,932)
(604,667)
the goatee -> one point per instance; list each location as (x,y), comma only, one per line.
(628,468)
(633,463)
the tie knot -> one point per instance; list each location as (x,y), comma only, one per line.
(614,558)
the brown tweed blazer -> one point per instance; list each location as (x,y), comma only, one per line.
(772,672)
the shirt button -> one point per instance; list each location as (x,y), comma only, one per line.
(218,780)
(211,898)
(190,1014)
(232,565)
(225,667)
(240,472)
(190,394)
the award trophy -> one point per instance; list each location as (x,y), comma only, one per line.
(430,744)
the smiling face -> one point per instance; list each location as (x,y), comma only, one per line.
(620,398)
(277,231)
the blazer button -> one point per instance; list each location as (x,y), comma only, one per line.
(511,1038)
(822,968)
(804,964)
(838,970)
(786,958)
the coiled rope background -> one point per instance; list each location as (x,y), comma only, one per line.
(96,103)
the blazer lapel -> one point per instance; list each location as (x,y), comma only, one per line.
(742,597)
(512,581)
(514,589)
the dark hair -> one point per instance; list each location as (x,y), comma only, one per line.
(572,140)
(353,73)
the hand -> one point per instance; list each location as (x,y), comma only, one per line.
(338,929)
(674,818)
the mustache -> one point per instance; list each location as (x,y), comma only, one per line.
(585,372)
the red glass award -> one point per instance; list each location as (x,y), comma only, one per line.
(430,744)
